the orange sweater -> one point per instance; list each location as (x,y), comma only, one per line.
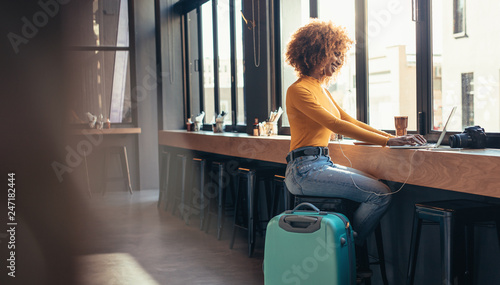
(314,115)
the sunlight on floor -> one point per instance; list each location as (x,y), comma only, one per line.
(112,268)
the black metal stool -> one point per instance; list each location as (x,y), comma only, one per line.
(221,181)
(347,207)
(121,152)
(456,219)
(164,178)
(178,192)
(216,176)
(197,193)
(252,177)
(281,194)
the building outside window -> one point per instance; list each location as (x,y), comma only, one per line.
(468,65)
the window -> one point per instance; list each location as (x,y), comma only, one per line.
(101,52)
(344,89)
(391,63)
(240,99)
(459,18)
(219,51)
(468,67)
(297,14)
(208,61)
(224,57)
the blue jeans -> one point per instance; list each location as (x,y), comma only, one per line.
(316,175)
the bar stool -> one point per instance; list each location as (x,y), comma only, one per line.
(348,207)
(179,184)
(121,152)
(456,220)
(252,177)
(223,180)
(280,194)
(197,193)
(164,177)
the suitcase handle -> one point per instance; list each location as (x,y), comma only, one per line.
(300,224)
(300,219)
(305,204)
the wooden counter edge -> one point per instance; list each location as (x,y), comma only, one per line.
(112,131)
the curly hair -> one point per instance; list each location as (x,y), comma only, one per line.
(313,44)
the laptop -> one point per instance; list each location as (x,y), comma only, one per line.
(432,145)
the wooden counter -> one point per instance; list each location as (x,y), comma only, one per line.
(468,171)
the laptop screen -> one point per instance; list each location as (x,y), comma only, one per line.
(441,137)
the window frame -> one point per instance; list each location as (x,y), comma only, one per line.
(132,69)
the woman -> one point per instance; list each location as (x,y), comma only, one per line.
(317,52)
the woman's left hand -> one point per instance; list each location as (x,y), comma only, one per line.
(407,140)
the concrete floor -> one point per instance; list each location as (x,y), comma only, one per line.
(137,240)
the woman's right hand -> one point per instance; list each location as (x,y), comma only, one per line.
(407,140)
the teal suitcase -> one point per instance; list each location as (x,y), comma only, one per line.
(309,247)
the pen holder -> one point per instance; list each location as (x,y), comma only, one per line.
(198,126)
(271,129)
